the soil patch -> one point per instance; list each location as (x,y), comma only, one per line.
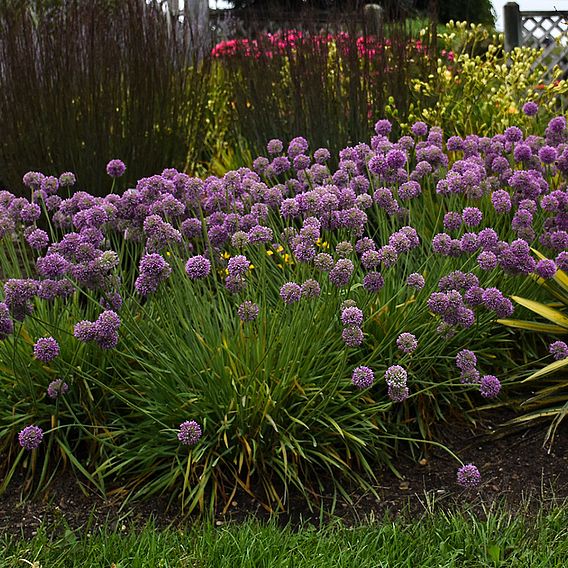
(517,472)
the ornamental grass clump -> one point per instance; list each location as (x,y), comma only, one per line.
(226,333)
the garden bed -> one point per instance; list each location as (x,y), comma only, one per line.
(518,474)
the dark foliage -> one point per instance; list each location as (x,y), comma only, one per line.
(89,81)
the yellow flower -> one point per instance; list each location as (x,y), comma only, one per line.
(226,255)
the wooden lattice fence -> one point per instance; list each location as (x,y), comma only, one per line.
(546,30)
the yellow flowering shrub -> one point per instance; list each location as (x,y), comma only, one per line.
(485,92)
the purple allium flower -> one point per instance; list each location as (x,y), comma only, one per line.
(311,289)
(46,349)
(452,221)
(115,168)
(67,179)
(38,239)
(469,376)
(189,433)
(323,262)
(490,386)
(235,283)
(501,201)
(513,134)
(248,311)
(6,323)
(416,281)
(398,393)
(84,331)
(522,153)
(57,388)
(341,273)
(396,375)
(32,179)
(492,298)
(322,155)
(557,125)
(562,261)
(547,154)
(298,145)
(343,249)
(274,146)
(383,127)
(388,255)
(238,265)
(466,359)
(373,282)
(407,342)
(546,268)
(153,270)
(468,476)
(30,437)
(472,216)
(396,159)
(352,336)
(290,292)
(30,212)
(370,259)
(530,108)
(559,350)
(352,316)
(487,260)
(419,129)
(362,377)
(198,267)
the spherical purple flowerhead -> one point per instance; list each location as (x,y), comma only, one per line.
(466,359)
(57,388)
(352,336)
(189,433)
(290,292)
(472,216)
(383,127)
(30,437)
(46,349)
(416,281)
(198,267)
(557,124)
(352,316)
(6,323)
(468,476)
(67,179)
(562,261)
(274,146)
(115,168)
(513,134)
(501,201)
(362,377)
(559,350)
(373,282)
(530,108)
(396,375)
(323,261)
(38,239)
(490,386)
(153,270)
(419,129)
(546,268)
(311,289)
(32,179)
(238,265)
(248,311)
(547,154)
(407,342)
(341,273)
(398,393)
(487,260)
(469,376)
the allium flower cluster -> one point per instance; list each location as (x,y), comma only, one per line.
(189,433)
(396,377)
(198,267)
(290,292)
(468,476)
(363,377)
(248,311)
(153,271)
(115,168)
(57,388)
(46,349)
(407,342)
(559,350)
(103,331)
(30,437)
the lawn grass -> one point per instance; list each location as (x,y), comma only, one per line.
(439,539)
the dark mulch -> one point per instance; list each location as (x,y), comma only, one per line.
(516,472)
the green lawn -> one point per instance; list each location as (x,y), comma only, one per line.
(437,540)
